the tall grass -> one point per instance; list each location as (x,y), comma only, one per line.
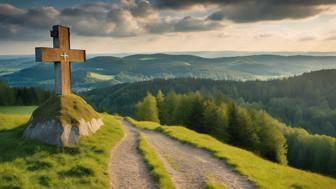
(264,173)
(28,164)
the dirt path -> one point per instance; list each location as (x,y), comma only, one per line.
(126,166)
(189,167)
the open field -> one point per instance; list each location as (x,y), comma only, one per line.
(264,173)
(19,110)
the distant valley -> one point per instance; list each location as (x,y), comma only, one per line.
(102,71)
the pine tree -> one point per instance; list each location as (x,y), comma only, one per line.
(221,128)
(195,120)
(181,112)
(160,99)
(147,109)
(233,123)
(167,108)
(210,117)
(247,133)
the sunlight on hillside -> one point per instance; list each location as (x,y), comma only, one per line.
(101,77)
(264,173)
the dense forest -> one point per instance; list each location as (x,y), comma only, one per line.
(243,126)
(22,96)
(307,101)
(228,122)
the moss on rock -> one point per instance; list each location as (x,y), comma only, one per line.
(61,120)
(68,108)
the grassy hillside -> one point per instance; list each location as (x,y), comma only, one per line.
(264,173)
(27,164)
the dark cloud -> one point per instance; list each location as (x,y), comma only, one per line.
(33,18)
(181,4)
(307,38)
(331,38)
(124,18)
(263,12)
(142,9)
(252,10)
(19,24)
(185,24)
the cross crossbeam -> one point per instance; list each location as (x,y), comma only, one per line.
(62,56)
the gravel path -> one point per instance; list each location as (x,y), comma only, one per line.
(190,168)
(126,166)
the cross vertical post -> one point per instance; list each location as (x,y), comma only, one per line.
(62,56)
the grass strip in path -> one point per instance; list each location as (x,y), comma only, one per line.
(214,185)
(157,169)
(266,174)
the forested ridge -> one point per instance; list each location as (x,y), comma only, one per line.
(22,96)
(307,101)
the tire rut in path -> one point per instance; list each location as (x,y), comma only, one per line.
(127,168)
(190,167)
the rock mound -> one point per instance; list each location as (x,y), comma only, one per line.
(62,120)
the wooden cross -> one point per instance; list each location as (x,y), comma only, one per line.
(61,55)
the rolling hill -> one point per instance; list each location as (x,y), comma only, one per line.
(102,71)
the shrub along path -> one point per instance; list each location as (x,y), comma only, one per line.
(188,166)
(127,167)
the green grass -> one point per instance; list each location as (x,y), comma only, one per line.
(10,121)
(214,185)
(264,173)
(155,165)
(20,110)
(28,164)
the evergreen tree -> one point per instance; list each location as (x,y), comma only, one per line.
(272,142)
(147,109)
(221,128)
(247,133)
(195,120)
(182,110)
(167,108)
(210,117)
(160,100)
(233,128)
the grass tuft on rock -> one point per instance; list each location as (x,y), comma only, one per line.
(68,108)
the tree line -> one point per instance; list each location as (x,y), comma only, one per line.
(244,126)
(228,122)
(22,96)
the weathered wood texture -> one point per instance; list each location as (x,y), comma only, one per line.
(61,55)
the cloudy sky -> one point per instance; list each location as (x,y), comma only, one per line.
(127,26)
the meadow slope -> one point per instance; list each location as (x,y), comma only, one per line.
(266,174)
